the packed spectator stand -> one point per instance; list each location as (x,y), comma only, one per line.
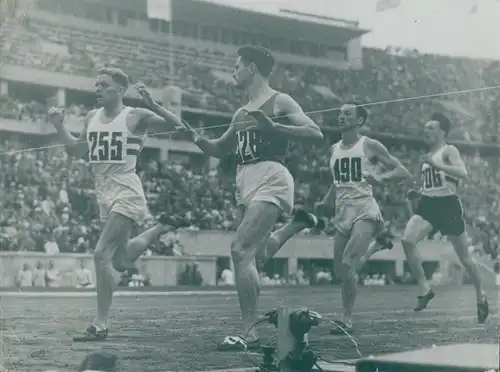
(47,195)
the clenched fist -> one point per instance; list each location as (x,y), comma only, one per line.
(56,116)
(145,94)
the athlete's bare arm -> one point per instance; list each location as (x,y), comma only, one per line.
(147,120)
(327,205)
(75,146)
(326,208)
(155,118)
(301,126)
(378,152)
(330,196)
(219,147)
(452,164)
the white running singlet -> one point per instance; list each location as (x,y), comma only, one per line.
(348,167)
(113,149)
(113,153)
(436,182)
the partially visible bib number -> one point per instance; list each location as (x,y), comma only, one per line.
(106,147)
(249,145)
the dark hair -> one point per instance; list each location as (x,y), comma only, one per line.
(261,57)
(361,111)
(116,74)
(444,122)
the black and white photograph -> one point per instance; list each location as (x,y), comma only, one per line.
(249,185)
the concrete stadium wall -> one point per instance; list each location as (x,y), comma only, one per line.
(163,271)
(204,248)
(216,243)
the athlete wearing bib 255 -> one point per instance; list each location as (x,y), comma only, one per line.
(113,152)
(357,214)
(112,137)
(264,186)
(439,208)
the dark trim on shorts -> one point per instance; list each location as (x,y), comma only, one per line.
(444,213)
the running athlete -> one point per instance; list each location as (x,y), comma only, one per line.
(439,208)
(357,214)
(112,136)
(265,187)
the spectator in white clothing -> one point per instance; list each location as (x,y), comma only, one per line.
(39,275)
(83,276)
(24,277)
(52,276)
(51,246)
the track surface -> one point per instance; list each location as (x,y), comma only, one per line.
(178,332)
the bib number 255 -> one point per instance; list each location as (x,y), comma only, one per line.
(106,146)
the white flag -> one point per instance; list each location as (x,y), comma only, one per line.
(160,9)
(383,5)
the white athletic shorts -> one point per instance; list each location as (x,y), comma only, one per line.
(122,194)
(348,212)
(267,181)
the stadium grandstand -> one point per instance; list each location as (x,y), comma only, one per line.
(55,50)
(51,50)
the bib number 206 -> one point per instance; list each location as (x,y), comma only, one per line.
(431,178)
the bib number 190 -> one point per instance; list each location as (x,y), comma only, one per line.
(347,170)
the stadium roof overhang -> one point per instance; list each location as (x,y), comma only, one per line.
(281,25)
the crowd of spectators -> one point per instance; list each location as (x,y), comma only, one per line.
(400,79)
(49,205)
(47,197)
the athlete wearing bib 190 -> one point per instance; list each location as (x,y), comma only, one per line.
(261,175)
(439,204)
(113,153)
(354,196)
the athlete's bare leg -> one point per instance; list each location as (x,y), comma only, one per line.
(114,237)
(113,250)
(461,247)
(251,237)
(124,259)
(278,238)
(416,229)
(361,236)
(253,245)
(339,244)
(373,248)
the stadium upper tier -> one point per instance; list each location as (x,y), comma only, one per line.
(400,80)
